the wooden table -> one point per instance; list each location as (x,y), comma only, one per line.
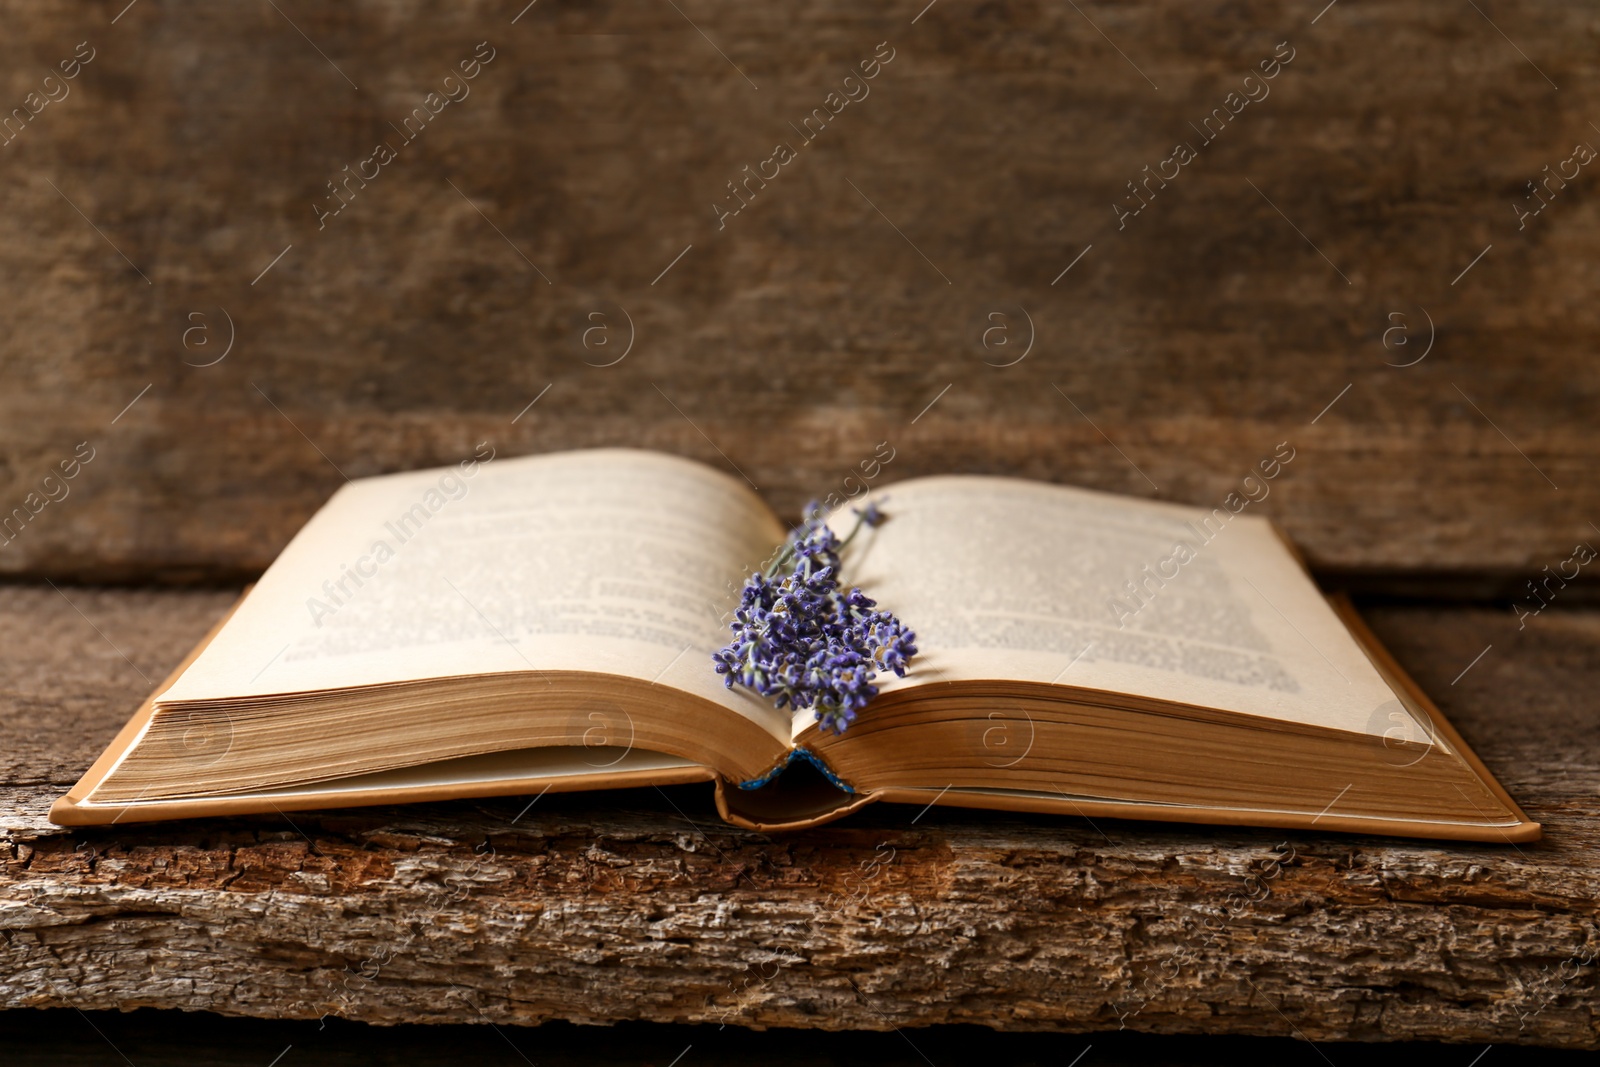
(641,905)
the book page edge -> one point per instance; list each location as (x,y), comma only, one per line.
(64,807)
(1087,807)
(1526,829)
(67,812)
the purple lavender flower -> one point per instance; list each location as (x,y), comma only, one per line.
(871,514)
(802,642)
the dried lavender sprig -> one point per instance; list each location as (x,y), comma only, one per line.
(805,644)
(867,516)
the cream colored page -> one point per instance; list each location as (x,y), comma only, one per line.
(1005,579)
(611,560)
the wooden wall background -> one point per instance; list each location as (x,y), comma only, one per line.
(853,291)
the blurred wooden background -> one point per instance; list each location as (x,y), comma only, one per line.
(1253,291)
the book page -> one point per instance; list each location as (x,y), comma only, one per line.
(1008,579)
(613,560)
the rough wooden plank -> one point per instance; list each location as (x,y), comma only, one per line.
(642,906)
(804,331)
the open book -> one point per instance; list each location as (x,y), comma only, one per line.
(511,626)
